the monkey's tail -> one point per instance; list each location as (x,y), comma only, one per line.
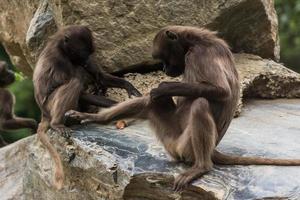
(223,159)
(58,171)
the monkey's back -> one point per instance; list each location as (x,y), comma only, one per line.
(214,65)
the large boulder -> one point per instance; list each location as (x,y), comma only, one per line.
(124,29)
(101,162)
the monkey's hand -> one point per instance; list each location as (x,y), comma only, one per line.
(132,91)
(155,94)
(159,92)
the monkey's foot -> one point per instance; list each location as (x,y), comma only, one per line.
(75,115)
(184,179)
(82,117)
(64,131)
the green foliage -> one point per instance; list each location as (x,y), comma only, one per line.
(25,103)
(289,30)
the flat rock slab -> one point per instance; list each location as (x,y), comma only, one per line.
(266,128)
(101,162)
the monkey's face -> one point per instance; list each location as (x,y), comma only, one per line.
(167,48)
(6,76)
(78,44)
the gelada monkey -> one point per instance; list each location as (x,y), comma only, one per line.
(8,121)
(59,82)
(191,127)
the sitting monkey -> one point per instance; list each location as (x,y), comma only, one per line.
(193,126)
(59,81)
(8,121)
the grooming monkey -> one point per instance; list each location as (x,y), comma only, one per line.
(60,77)
(193,126)
(8,121)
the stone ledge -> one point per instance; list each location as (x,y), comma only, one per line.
(101,162)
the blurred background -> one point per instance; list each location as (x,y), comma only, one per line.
(289,29)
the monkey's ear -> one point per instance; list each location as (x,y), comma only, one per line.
(171,35)
(66,39)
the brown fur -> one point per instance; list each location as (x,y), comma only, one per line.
(8,121)
(192,127)
(60,77)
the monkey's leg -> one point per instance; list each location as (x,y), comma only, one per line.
(132,108)
(18,122)
(100,101)
(201,129)
(65,98)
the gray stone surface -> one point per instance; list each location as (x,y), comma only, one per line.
(13,160)
(124,29)
(267,129)
(41,27)
(104,163)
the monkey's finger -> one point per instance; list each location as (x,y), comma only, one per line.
(136,93)
(132,91)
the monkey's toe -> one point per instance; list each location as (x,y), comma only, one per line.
(71,113)
(86,121)
(75,115)
(181,182)
(184,179)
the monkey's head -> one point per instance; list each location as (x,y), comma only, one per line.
(6,76)
(77,43)
(170,48)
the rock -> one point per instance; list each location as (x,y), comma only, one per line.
(259,77)
(101,162)
(15,19)
(124,30)
(41,27)
(241,35)
(13,159)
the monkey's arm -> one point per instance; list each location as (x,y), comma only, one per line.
(113,81)
(18,122)
(6,105)
(203,89)
(106,80)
